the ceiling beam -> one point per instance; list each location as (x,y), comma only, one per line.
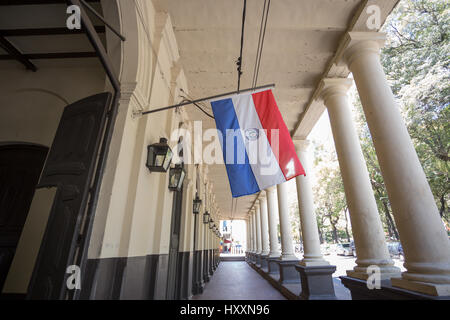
(45,31)
(15,54)
(35,2)
(53,55)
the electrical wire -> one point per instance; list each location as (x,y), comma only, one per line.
(263,30)
(259,43)
(195,104)
(239,61)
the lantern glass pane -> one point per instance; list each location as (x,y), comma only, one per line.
(167,158)
(196,205)
(173,178)
(159,160)
(205,217)
(180,183)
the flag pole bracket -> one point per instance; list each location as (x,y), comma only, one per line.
(139,113)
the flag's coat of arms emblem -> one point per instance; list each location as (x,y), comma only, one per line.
(252,134)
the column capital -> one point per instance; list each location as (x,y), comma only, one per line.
(301,144)
(262,195)
(357,43)
(270,189)
(334,86)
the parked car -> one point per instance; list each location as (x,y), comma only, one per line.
(298,248)
(344,249)
(325,249)
(395,250)
(333,247)
(352,245)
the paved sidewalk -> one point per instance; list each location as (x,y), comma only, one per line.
(236,280)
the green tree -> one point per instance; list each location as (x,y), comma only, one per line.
(329,196)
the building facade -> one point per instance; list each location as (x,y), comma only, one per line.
(79,194)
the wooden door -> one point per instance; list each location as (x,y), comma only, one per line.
(173,274)
(20,168)
(70,167)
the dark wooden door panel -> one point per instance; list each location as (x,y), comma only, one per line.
(20,167)
(173,277)
(70,166)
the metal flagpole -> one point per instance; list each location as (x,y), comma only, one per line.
(208,98)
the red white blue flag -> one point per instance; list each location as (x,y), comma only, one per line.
(257,148)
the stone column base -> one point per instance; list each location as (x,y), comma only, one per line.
(199,287)
(288,274)
(264,263)
(432,289)
(317,282)
(272,265)
(386,291)
(258,260)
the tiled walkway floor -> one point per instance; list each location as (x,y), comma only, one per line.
(236,280)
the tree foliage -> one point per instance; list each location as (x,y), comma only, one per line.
(329,197)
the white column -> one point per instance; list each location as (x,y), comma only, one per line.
(255,246)
(264,224)
(424,240)
(210,239)
(367,229)
(287,249)
(251,231)
(272,203)
(201,231)
(247,228)
(258,229)
(312,255)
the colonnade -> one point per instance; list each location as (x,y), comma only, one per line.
(207,240)
(424,240)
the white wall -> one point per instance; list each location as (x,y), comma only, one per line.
(133,216)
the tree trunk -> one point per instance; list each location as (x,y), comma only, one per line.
(334,232)
(320,235)
(391,223)
(346,225)
(442,206)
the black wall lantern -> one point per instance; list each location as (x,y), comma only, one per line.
(206,217)
(196,205)
(211,223)
(176,177)
(159,156)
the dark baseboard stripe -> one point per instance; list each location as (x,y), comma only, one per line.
(13,296)
(136,278)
